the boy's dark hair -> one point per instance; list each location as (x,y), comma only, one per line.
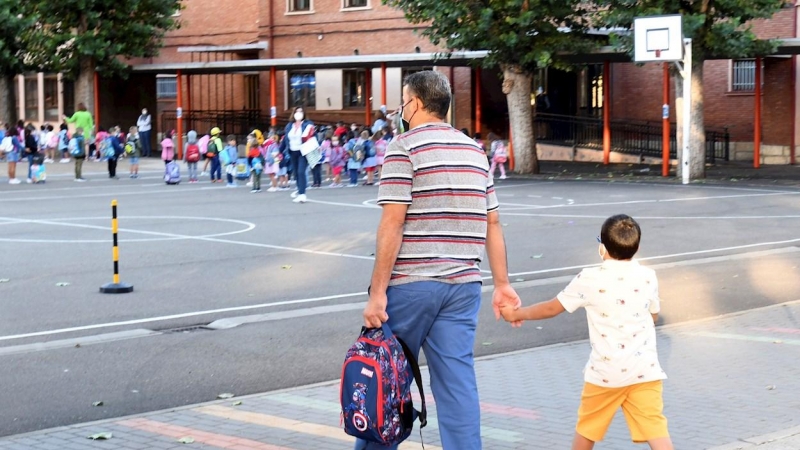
(49,127)
(63,126)
(620,235)
(230,138)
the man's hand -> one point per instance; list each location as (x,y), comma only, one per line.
(375,312)
(506,296)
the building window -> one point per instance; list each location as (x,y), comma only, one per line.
(355,4)
(51,99)
(166,87)
(69,96)
(743,75)
(251,92)
(299,5)
(303,89)
(354,88)
(31,98)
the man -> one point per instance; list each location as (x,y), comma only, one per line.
(145,125)
(439,213)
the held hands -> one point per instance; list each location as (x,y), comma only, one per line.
(375,311)
(504,302)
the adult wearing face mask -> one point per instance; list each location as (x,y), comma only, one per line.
(145,129)
(298,132)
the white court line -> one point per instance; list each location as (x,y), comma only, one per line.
(674,186)
(668,200)
(170,190)
(65,175)
(581,216)
(177,316)
(354,205)
(195,238)
(249,226)
(674,255)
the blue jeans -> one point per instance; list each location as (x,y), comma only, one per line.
(353,176)
(441,319)
(144,137)
(216,169)
(29,157)
(299,166)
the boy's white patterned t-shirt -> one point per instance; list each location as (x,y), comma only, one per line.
(443,177)
(619,298)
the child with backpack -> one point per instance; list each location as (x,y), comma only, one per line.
(257,164)
(228,158)
(12,148)
(51,143)
(133,150)
(100,147)
(191,154)
(63,143)
(213,151)
(113,151)
(77,148)
(355,155)
(499,155)
(168,148)
(622,305)
(338,160)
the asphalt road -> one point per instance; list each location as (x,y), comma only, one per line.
(198,254)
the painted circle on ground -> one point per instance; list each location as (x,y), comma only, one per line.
(165,236)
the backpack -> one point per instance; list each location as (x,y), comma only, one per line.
(106,149)
(202,144)
(130,148)
(375,392)
(74,148)
(53,141)
(211,149)
(258,165)
(224,157)
(172,173)
(192,153)
(7,145)
(358,151)
(371,150)
(500,154)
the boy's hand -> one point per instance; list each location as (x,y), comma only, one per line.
(508,313)
(505,295)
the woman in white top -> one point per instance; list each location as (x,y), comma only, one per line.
(297,132)
(145,129)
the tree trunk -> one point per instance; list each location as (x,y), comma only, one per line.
(517,87)
(8,104)
(84,85)
(697,139)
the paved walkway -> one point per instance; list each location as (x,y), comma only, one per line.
(733,385)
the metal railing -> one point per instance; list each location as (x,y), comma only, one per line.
(237,122)
(627,136)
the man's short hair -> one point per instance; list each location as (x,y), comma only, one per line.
(433,89)
(621,235)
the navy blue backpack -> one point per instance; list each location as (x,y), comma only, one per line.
(377,376)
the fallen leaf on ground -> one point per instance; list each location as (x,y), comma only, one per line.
(486,344)
(520,279)
(777,341)
(100,403)
(225,395)
(505,224)
(62,284)
(186,440)
(100,436)
(539,256)
(538,328)
(771,387)
(287,266)
(4,280)
(239,403)
(77,345)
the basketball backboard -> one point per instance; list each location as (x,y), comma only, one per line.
(658,38)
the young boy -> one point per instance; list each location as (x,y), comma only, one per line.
(77,148)
(622,305)
(228,158)
(133,148)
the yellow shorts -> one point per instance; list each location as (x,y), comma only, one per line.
(641,403)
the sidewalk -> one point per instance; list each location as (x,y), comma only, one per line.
(733,380)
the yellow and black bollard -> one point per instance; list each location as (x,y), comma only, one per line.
(116,287)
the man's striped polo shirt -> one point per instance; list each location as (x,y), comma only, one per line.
(443,176)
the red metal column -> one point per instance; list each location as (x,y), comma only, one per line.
(179,145)
(273,92)
(666,127)
(757,131)
(383,84)
(606,112)
(96,101)
(478,100)
(367,95)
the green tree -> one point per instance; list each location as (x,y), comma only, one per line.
(79,37)
(521,37)
(719,30)
(16,19)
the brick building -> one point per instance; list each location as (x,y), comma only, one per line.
(293,31)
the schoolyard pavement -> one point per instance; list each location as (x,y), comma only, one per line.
(732,385)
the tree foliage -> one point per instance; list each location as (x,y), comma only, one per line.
(527,34)
(718,28)
(100,30)
(16,20)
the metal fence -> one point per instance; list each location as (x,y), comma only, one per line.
(627,136)
(237,122)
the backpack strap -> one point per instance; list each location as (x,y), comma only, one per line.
(412,361)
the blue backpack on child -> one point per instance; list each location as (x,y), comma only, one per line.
(377,376)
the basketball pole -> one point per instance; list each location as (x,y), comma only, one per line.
(687,107)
